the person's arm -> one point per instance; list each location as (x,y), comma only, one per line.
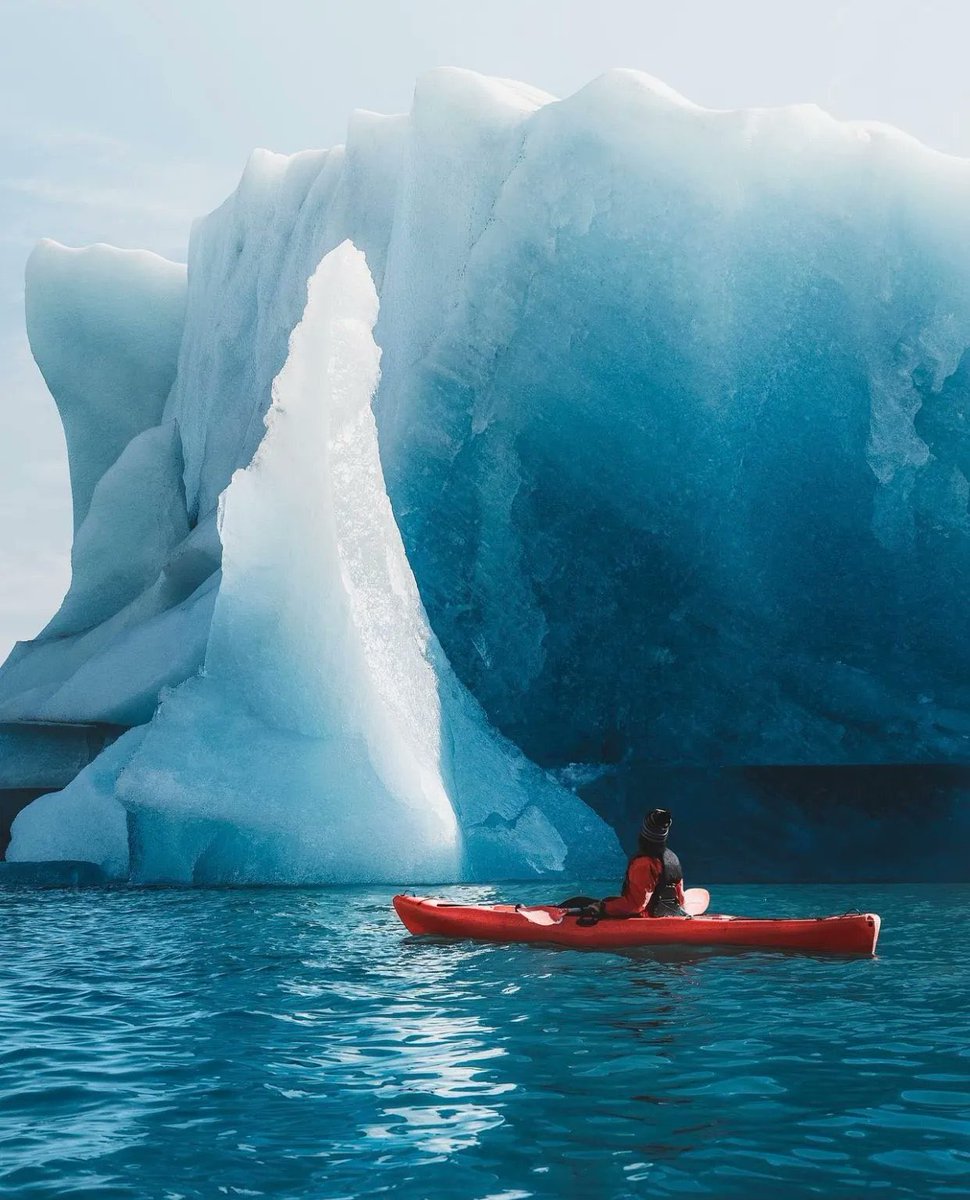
(681,898)
(641,879)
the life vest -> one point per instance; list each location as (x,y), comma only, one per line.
(664,902)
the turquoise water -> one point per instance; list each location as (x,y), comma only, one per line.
(301,1044)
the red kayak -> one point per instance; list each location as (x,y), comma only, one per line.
(854,933)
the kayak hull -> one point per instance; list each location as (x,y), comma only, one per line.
(855,933)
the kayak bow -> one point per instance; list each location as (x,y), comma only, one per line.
(853,933)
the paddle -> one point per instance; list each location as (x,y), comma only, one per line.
(696,901)
(538,916)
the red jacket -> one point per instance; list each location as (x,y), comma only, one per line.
(642,876)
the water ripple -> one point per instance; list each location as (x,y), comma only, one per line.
(299,1044)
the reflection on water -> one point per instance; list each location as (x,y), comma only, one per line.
(188,1044)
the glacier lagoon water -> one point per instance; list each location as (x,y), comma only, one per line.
(181,1044)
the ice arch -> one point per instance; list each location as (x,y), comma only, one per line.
(326,738)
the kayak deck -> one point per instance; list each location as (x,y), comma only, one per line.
(853,933)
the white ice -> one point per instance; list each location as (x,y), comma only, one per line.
(327,738)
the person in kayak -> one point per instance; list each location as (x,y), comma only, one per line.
(654,882)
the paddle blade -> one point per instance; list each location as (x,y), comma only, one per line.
(539,916)
(696,901)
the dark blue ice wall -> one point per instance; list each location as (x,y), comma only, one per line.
(683,476)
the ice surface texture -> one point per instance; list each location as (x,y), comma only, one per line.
(673,418)
(105,326)
(326,738)
(681,468)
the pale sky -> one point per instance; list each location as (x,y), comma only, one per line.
(121,120)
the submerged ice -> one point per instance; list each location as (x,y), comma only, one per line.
(672,415)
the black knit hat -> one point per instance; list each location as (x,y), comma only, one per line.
(656,826)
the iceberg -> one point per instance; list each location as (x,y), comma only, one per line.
(326,739)
(682,470)
(672,417)
(105,327)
